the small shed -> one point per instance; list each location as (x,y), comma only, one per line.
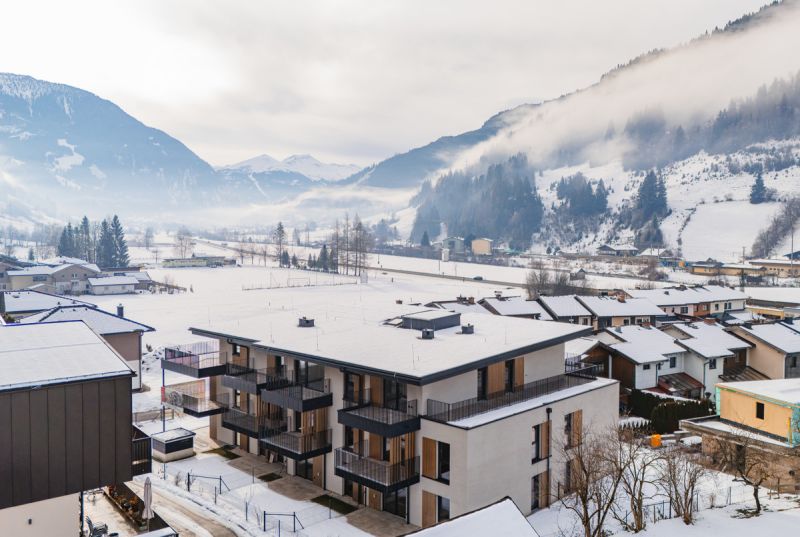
(173,445)
(112,285)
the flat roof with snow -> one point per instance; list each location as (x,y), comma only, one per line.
(100,321)
(779,390)
(53,353)
(368,338)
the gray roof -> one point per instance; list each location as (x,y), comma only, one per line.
(609,306)
(51,353)
(34,301)
(102,322)
(564,306)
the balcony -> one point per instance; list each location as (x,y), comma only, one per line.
(242,422)
(193,399)
(449,412)
(383,476)
(246,379)
(300,395)
(296,445)
(141,453)
(198,360)
(391,420)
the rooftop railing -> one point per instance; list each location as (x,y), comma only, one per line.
(448,412)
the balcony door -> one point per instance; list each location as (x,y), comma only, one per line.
(394,395)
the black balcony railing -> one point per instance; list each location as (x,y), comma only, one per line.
(448,412)
(297,445)
(193,399)
(353,464)
(203,359)
(390,419)
(301,395)
(243,422)
(246,379)
(141,452)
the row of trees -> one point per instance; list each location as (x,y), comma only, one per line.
(350,244)
(96,242)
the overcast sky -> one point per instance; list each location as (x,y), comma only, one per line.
(346,81)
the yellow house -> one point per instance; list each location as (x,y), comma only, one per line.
(768,406)
(482,246)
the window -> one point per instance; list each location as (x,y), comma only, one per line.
(236,349)
(349,436)
(442,508)
(626,321)
(716,307)
(568,477)
(684,309)
(793,361)
(509,375)
(483,374)
(658,365)
(646,367)
(394,395)
(568,427)
(535,492)
(536,432)
(395,502)
(727,305)
(712,363)
(673,362)
(40,278)
(584,321)
(443,462)
(760,411)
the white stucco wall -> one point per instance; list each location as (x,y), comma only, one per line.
(47,518)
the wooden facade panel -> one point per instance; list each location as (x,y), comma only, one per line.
(108,435)
(39,445)
(57,455)
(376,390)
(375,446)
(545,439)
(429,458)
(91,435)
(73,420)
(496,381)
(428,509)
(577,428)
(20,446)
(6,462)
(124,449)
(519,372)
(374,499)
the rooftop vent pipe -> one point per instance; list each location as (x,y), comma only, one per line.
(305,322)
(427,333)
(467,329)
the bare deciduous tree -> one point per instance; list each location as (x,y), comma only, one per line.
(184,245)
(679,475)
(638,463)
(538,280)
(741,456)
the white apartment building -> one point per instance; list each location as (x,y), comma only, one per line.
(425,413)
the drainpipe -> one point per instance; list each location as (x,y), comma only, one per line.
(549,411)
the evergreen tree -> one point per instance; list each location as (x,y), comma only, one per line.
(30,254)
(295,263)
(322,260)
(285,259)
(106,247)
(120,257)
(310,262)
(86,246)
(758,192)
(426,241)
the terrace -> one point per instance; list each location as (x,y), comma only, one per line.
(193,399)
(247,379)
(290,389)
(448,412)
(198,360)
(295,444)
(384,476)
(362,412)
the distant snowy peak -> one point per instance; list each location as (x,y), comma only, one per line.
(301,164)
(29,88)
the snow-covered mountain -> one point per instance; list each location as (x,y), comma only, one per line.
(301,164)
(62,143)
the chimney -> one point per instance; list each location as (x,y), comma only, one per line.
(468,329)
(398,301)
(709,320)
(747,325)
(120,310)
(305,322)
(427,333)
(498,294)
(471,300)
(621,297)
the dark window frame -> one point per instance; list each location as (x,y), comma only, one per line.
(760,409)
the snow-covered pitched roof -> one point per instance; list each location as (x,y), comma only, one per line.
(64,260)
(49,353)
(501,518)
(517,306)
(360,336)
(677,296)
(113,280)
(580,346)
(609,306)
(459,306)
(778,335)
(34,301)
(102,322)
(49,269)
(709,340)
(643,345)
(564,306)
(782,390)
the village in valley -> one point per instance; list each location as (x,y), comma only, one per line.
(372,397)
